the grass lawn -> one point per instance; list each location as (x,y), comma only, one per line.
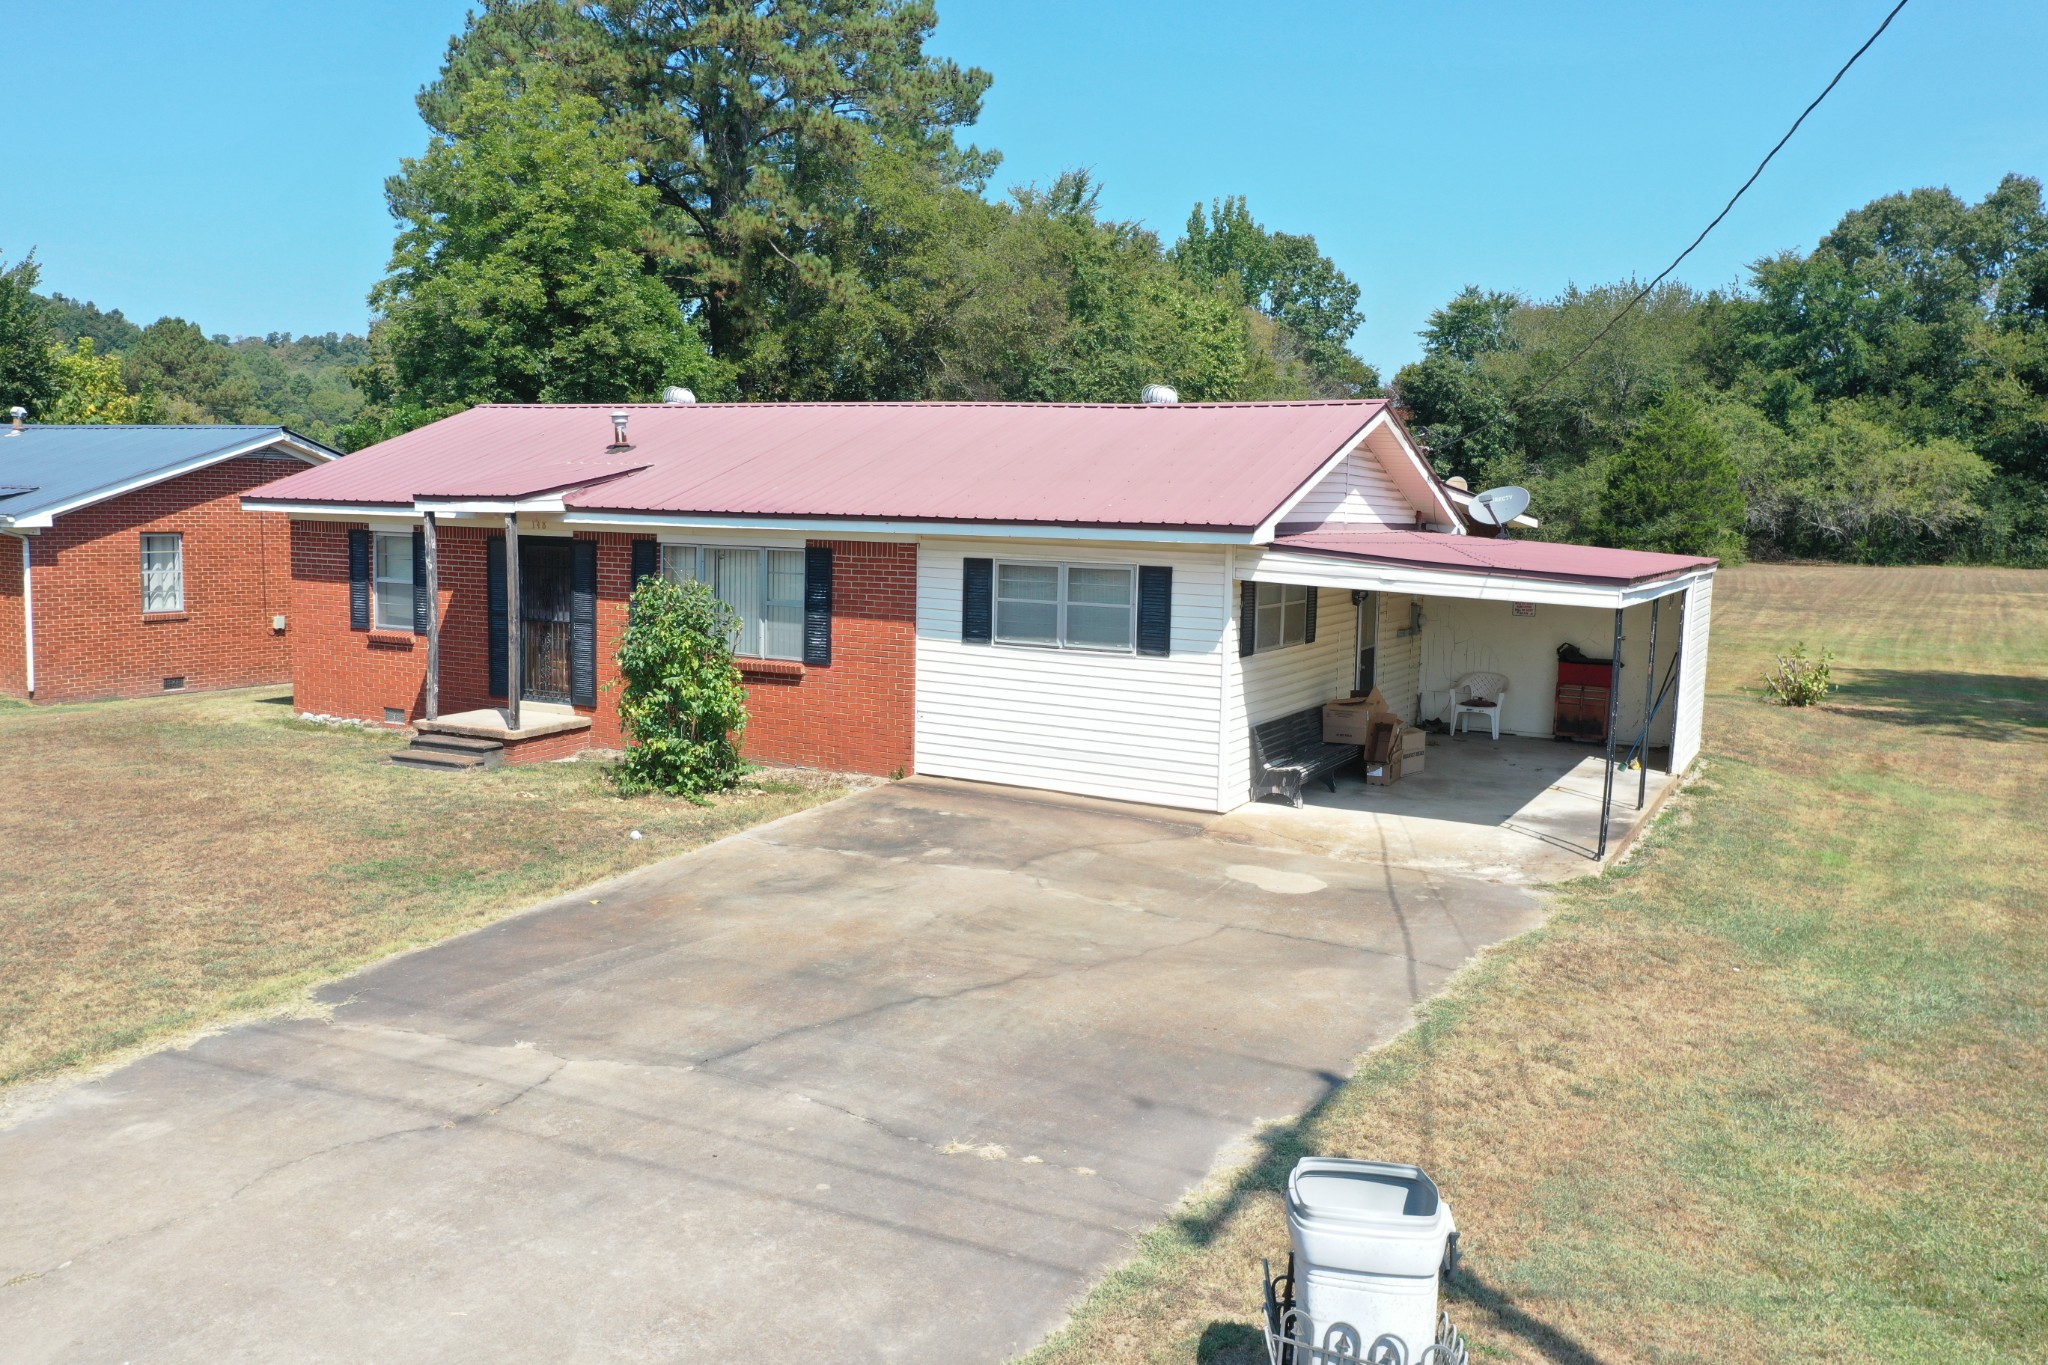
(1773,1091)
(174,861)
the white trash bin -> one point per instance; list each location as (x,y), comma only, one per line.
(1369,1245)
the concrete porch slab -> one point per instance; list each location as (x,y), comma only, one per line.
(535,720)
(1517,810)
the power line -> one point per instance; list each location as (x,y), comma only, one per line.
(1662,275)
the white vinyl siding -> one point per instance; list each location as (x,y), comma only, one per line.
(1357,494)
(391,575)
(1399,660)
(1275,683)
(1088,721)
(163,572)
(1692,673)
(765,589)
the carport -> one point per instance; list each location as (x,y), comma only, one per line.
(1445,606)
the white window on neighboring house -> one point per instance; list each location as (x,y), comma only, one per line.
(163,572)
(392,575)
(765,589)
(1066,606)
(1283,616)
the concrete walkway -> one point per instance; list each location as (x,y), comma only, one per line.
(892,1080)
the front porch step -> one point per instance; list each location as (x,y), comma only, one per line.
(450,753)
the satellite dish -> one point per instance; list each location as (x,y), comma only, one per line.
(1499,506)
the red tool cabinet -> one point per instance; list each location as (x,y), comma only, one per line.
(1582,694)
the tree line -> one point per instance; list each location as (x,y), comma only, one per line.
(776,203)
(68,361)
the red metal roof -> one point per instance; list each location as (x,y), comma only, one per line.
(1509,558)
(1187,464)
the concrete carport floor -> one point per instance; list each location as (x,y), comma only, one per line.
(891,1080)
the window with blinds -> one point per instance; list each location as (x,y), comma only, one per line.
(765,589)
(163,572)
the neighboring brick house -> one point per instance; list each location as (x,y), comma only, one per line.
(128,566)
(1134,601)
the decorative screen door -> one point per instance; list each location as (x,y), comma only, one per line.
(544,618)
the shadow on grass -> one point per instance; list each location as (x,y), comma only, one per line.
(1989,706)
(1278,1149)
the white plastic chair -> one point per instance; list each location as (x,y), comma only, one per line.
(1478,694)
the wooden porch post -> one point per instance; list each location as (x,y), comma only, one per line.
(433,618)
(514,653)
(1613,715)
(1649,705)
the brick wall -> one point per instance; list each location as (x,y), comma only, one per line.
(854,716)
(92,638)
(13,621)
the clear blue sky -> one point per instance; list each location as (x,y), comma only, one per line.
(223,159)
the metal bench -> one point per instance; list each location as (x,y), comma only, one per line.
(1288,750)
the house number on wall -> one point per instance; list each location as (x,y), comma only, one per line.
(1525,608)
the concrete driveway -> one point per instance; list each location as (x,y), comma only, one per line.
(892,1080)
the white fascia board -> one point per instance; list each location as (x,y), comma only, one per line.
(47,517)
(828,527)
(326,511)
(1287,566)
(549,504)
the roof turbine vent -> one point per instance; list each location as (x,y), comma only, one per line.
(676,393)
(1159,393)
(18,414)
(619,441)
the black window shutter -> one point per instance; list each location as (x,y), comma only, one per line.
(422,604)
(358,580)
(1309,636)
(977,600)
(1155,609)
(818,606)
(1247,617)
(494,590)
(646,561)
(583,622)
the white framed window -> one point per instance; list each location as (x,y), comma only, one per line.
(163,572)
(1282,616)
(765,589)
(1067,606)
(391,581)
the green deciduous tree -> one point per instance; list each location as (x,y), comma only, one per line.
(28,373)
(518,274)
(750,124)
(89,388)
(1672,487)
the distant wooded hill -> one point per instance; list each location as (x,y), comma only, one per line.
(179,374)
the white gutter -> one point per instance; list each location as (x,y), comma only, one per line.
(1477,584)
(817,526)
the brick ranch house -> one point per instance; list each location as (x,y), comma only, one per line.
(128,566)
(1097,599)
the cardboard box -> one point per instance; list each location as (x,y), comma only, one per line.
(1412,741)
(1412,764)
(1349,720)
(1383,757)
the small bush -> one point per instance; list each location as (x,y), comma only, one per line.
(681,701)
(1798,680)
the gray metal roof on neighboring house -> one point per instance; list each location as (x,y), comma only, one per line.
(46,471)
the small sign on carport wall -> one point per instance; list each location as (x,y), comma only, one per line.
(1525,608)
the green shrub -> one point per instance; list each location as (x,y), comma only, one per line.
(681,701)
(1798,680)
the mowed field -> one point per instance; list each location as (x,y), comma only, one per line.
(1773,1091)
(178,861)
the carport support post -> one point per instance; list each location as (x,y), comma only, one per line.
(1649,704)
(432,539)
(514,654)
(1613,715)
